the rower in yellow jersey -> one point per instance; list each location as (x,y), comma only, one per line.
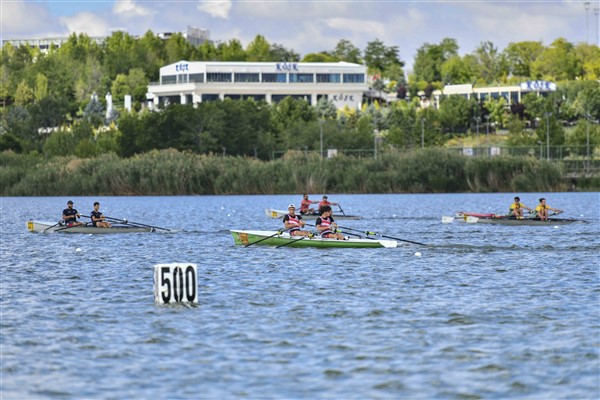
(516,208)
(541,210)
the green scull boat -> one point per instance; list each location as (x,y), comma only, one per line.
(273,238)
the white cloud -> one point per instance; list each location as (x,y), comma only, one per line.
(130,8)
(219,9)
(27,19)
(88,23)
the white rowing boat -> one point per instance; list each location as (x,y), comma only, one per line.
(49,227)
(275,238)
(272,213)
(484,218)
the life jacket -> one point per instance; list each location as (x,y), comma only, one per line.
(326,222)
(296,220)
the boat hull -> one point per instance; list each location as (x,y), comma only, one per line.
(244,237)
(49,227)
(272,213)
(505,220)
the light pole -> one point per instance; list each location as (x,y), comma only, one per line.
(477,120)
(548,114)
(540,143)
(321,128)
(487,133)
(588,117)
(422,133)
(375,134)
(587,27)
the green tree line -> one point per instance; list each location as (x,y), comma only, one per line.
(49,107)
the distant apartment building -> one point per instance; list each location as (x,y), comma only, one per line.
(192,82)
(194,36)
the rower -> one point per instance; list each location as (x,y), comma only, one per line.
(99,220)
(516,208)
(541,210)
(326,225)
(305,207)
(70,215)
(293,223)
(324,202)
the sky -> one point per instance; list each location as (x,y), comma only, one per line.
(310,26)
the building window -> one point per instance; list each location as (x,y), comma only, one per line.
(301,78)
(168,79)
(255,97)
(182,78)
(197,78)
(354,78)
(514,97)
(210,97)
(276,98)
(218,77)
(242,77)
(328,78)
(274,78)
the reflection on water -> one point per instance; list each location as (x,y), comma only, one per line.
(486,311)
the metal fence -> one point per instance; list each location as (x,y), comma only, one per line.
(574,160)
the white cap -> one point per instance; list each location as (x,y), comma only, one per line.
(291,206)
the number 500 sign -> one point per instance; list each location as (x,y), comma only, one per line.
(175,283)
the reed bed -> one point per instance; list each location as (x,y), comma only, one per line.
(172,172)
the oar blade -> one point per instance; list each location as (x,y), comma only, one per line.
(447,220)
(472,220)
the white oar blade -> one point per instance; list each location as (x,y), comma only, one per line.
(472,220)
(447,220)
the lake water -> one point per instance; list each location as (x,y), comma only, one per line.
(485,312)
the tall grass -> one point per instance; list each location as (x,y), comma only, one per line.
(171,172)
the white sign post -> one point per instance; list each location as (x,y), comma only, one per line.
(175,283)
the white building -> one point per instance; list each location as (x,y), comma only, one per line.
(194,82)
(512,94)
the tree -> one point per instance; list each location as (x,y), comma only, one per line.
(258,49)
(280,53)
(521,55)
(380,58)
(458,70)
(326,109)
(232,51)
(41,87)
(346,51)
(24,94)
(455,114)
(589,56)
(94,112)
(492,64)
(557,62)
(150,55)
(49,112)
(119,55)
(318,57)
(431,57)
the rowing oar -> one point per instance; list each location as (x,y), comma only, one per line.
(50,227)
(340,207)
(291,241)
(132,223)
(384,236)
(268,237)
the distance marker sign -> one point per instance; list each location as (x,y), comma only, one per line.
(175,283)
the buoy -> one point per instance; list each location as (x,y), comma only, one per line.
(78,249)
(417,254)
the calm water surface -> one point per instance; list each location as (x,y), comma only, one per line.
(485,312)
